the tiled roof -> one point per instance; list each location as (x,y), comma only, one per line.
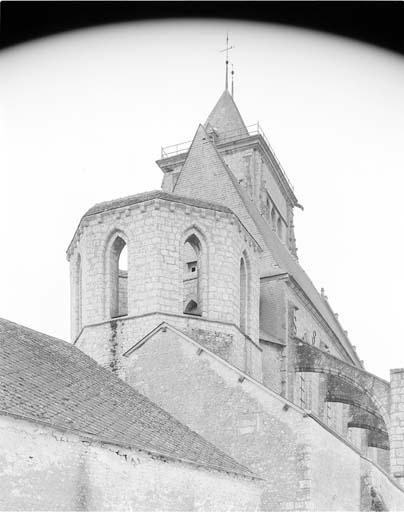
(153,194)
(48,380)
(225,117)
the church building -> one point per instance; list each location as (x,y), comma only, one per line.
(192,301)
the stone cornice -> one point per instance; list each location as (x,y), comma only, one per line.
(162,313)
(280,276)
(172,204)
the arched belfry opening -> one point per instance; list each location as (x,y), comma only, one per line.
(279,228)
(192,298)
(273,218)
(119,278)
(78,293)
(243,295)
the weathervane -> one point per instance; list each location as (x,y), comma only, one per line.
(227,59)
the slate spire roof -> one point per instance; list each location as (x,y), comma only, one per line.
(206,176)
(225,118)
(47,380)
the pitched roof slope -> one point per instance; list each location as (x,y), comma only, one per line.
(48,380)
(226,118)
(205,175)
(289,264)
(148,196)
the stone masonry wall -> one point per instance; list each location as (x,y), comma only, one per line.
(305,465)
(272,366)
(107,341)
(308,328)
(377,490)
(273,306)
(45,469)
(309,389)
(155,233)
(213,402)
(249,165)
(397,424)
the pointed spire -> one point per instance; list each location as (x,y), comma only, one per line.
(203,156)
(205,175)
(225,119)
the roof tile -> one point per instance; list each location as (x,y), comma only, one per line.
(54,382)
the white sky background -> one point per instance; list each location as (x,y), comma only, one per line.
(83,116)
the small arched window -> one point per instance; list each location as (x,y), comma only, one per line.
(243,295)
(191,308)
(273,218)
(119,278)
(267,208)
(192,300)
(280,228)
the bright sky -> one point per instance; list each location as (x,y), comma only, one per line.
(83,116)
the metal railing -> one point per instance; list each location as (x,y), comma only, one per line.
(272,152)
(253,129)
(175,149)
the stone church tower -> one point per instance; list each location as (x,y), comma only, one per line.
(213,318)
(190,260)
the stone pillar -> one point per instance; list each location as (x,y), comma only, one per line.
(396,433)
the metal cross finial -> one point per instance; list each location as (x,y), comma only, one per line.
(227,59)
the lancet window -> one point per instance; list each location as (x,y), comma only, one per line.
(118,278)
(280,228)
(243,295)
(79,294)
(192,298)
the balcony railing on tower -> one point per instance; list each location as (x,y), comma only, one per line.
(254,129)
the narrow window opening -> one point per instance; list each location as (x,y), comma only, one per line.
(191,308)
(119,278)
(243,295)
(280,230)
(79,293)
(273,218)
(191,277)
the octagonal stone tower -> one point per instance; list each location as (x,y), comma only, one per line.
(182,259)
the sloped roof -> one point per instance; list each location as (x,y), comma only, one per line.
(226,118)
(206,175)
(147,196)
(48,380)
